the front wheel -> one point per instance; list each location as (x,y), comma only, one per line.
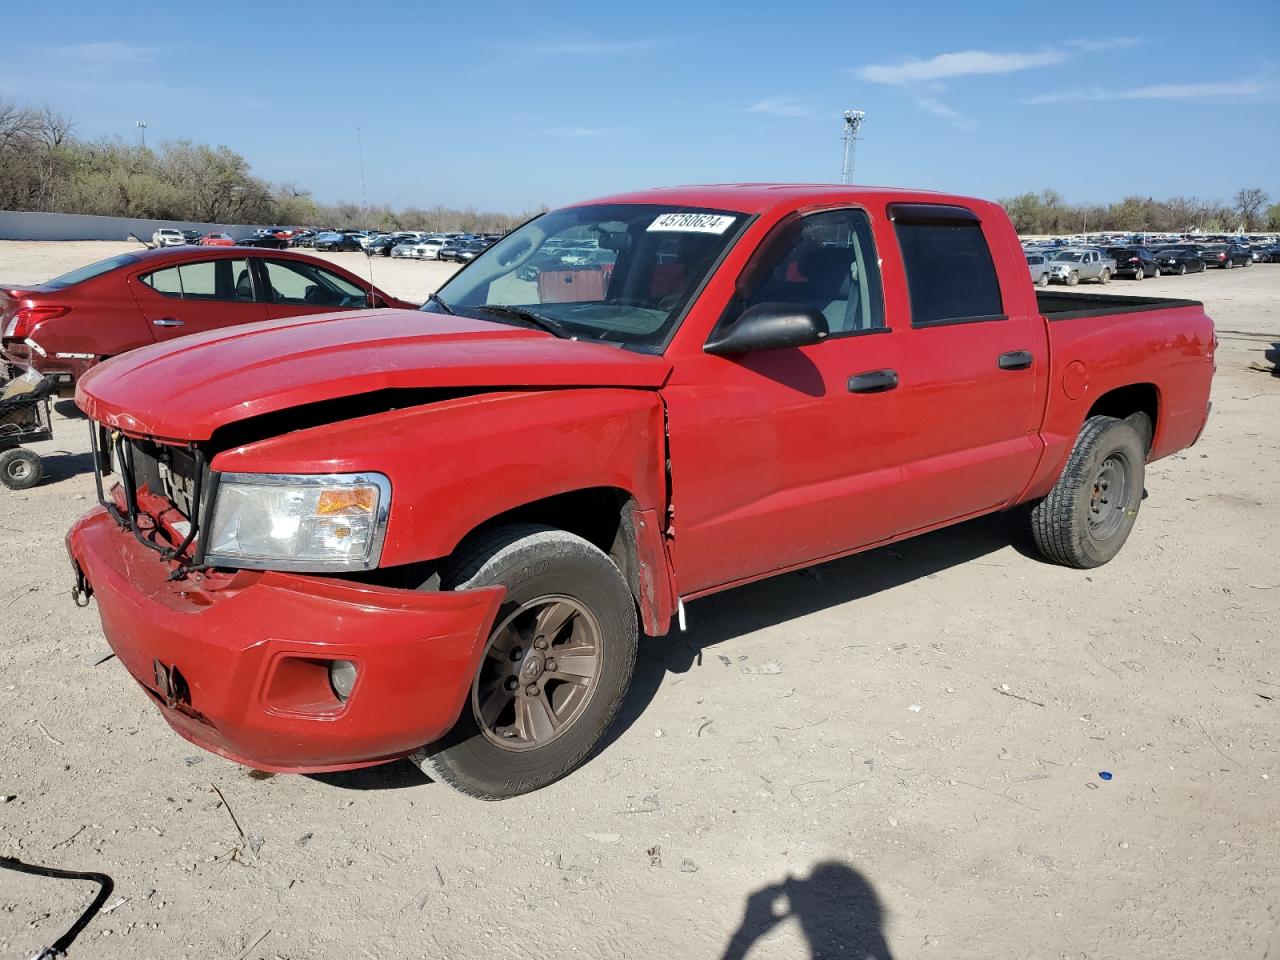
(1042,280)
(1227,264)
(555,669)
(1106,277)
(1073,278)
(1182,269)
(1089,513)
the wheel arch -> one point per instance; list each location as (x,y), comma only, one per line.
(611,519)
(1125,401)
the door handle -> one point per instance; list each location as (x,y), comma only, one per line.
(873,381)
(1016,360)
(167,322)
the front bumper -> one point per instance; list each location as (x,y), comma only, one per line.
(238,663)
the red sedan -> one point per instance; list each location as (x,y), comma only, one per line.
(68,324)
(217,240)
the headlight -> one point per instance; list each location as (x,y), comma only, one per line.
(314,522)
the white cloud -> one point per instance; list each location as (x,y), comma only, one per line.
(581,132)
(583,48)
(1216,90)
(780,107)
(964,63)
(1107,43)
(102,55)
(938,108)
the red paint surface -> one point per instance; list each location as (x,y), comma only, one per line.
(773,464)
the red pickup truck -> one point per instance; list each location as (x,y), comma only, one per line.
(344,539)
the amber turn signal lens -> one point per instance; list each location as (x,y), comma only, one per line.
(347,500)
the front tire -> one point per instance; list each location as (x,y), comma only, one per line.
(1106,277)
(1073,278)
(1182,269)
(1089,513)
(555,669)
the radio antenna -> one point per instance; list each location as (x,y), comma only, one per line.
(364,199)
(852,124)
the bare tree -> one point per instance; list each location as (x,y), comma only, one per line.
(1249,202)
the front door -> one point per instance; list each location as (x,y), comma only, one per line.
(787,456)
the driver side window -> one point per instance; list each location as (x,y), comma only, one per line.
(296,282)
(825,261)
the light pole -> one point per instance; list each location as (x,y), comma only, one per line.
(852,124)
(142,132)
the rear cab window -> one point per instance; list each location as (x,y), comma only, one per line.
(951,276)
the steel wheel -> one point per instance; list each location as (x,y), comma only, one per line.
(1109,496)
(539,673)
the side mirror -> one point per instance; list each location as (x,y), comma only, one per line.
(769,326)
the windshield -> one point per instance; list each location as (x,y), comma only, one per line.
(1069,257)
(621,273)
(89,272)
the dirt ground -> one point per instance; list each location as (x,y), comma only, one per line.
(896,754)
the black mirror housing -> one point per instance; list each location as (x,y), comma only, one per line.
(769,326)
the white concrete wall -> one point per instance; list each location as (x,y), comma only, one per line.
(74,226)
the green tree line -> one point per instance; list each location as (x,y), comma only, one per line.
(44,167)
(1047,212)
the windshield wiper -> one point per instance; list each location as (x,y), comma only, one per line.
(439,302)
(553,327)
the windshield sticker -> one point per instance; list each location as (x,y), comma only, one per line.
(692,223)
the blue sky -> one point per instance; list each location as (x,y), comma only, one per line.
(506,105)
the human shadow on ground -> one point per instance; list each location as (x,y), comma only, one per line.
(61,465)
(835,907)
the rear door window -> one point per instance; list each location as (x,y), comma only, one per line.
(951,277)
(204,280)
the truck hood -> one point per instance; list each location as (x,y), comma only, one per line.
(188,388)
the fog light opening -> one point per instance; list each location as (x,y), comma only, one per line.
(342,678)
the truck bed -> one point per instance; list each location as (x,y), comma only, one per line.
(1060,305)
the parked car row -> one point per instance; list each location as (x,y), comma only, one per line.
(1074,264)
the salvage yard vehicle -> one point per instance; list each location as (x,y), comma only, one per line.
(336,541)
(1180,260)
(68,324)
(1073,265)
(1226,255)
(1136,262)
(1038,264)
(167,237)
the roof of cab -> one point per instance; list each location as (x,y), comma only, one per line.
(759,197)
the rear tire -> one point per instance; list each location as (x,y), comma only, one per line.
(1089,513)
(20,469)
(531,718)
(1140,273)
(1042,280)
(1182,269)
(1155,275)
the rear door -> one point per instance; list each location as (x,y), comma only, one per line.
(197,296)
(298,287)
(973,356)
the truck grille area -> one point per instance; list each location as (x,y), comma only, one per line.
(173,476)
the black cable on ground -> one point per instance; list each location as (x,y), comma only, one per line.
(106,885)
